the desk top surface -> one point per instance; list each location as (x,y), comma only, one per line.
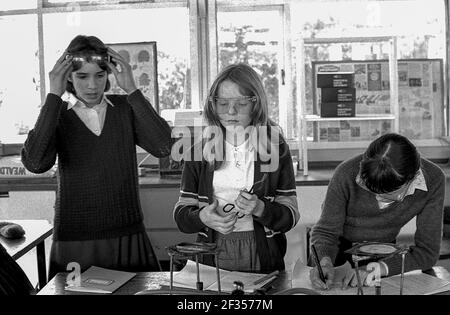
(152,280)
(36,231)
(145,281)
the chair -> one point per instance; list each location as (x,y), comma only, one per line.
(13,281)
(445,244)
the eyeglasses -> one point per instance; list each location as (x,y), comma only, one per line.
(396,195)
(229,207)
(256,186)
(243,105)
(101,60)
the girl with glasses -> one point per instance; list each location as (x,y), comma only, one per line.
(369,199)
(225,197)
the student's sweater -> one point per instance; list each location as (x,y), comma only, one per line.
(278,194)
(352,212)
(97,195)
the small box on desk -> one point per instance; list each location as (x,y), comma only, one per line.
(334,95)
(335,80)
(337,109)
(10,149)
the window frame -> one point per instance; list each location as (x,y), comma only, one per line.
(204,58)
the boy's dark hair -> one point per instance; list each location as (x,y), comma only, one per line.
(87,46)
(389,162)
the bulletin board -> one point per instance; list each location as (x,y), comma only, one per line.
(143,60)
(421,99)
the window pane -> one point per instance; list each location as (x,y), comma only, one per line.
(126,26)
(19,78)
(420,33)
(346,130)
(93,1)
(17,5)
(255,38)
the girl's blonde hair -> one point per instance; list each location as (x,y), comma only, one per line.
(251,85)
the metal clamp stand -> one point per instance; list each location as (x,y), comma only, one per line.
(358,254)
(193,250)
(356,259)
(403,252)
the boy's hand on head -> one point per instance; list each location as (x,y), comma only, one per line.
(249,204)
(60,74)
(209,216)
(124,77)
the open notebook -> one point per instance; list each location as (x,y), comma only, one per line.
(101,280)
(415,283)
(187,278)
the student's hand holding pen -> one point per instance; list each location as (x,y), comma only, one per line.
(328,271)
(210,217)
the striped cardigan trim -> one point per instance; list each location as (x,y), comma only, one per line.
(291,203)
(287,192)
(187,194)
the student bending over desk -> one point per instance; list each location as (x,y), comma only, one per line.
(229,199)
(370,198)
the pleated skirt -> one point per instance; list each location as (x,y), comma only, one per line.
(133,253)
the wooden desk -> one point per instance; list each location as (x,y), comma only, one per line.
(36,231)
(151,280)
(144,281)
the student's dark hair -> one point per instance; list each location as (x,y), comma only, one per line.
(87,46)
(389,162)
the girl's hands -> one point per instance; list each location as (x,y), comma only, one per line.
(213,220)
(124,77)
(59,74)
(249,204)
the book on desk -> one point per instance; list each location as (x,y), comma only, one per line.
(101,280)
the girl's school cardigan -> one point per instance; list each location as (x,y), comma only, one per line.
(278,194)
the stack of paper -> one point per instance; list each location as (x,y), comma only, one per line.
(415,283)
(187,278)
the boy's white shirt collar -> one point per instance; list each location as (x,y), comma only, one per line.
(72,101)
(418,183)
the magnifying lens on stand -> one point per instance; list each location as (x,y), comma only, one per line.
(375,251)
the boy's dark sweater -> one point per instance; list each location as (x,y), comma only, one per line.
(353,213)
(97,196)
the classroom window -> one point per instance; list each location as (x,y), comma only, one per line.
(19,77)
(255,38)
(420,28)
(6,5)
(172,43)
(21,83)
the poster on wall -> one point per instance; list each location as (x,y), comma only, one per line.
(143,60)
(421,99)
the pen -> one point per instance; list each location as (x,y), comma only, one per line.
(319,267)
(266,277)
